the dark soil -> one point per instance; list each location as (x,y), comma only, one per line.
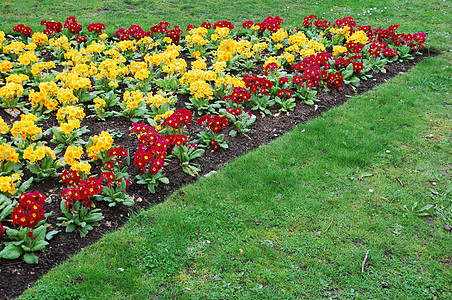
(16,276)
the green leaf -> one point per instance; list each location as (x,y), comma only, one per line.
(51,234)
(39,245)
(40,232)
(31,258)
(197,153)
(11,252)
(164,180)
(151,188)
(13,234)
(59,135)
(24,186)
(70,228)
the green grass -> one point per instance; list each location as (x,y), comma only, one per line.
(258,227)
(432,17)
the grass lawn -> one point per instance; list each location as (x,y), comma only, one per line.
(333,209)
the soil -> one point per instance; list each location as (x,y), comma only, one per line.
(16,276)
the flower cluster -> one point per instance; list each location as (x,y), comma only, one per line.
(99,144)
(223,24)
(270,24)
(141,75)
(26,129)
(152,149)
(73,26)
(34,153)
(8,183)
(96,27)
(114,157)
(22,29)
(216,124)
(238,95)
(52,27)
(79,190)
(179,119)
(257,84)
(30,210)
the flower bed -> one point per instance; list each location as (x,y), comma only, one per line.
(70,99)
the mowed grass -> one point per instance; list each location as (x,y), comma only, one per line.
(433,17)
(295,218)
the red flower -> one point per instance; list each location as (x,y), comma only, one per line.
(108,178)
(247,24)
(216,124)
(238,95)
(271,24)
(81,39)
(220,24)
(254,83)
(122,34)
(214,145)
(176,139)
(52,27)
(206,25)
(2,231)
(334,80)
(29,210)
(154,169)
(72,25)
(179,118)
(162,27)
(70,177)
(341,63)
(270,67)
(285,93)
(389,52)
(234,111)
(190,27)
(308,20)
(358,67)
(96,27)
(175,34)
(22,29)
(322,24)
(283,80)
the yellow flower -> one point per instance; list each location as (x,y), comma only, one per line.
(17,78)
(199,64)
(8,153)
(280,35)
(28,58)
(39,38)
(66,96)
(219,66)
(29,154)
(4,128)
(14,47)
(358,37)
(72,153)
(339,50)
(11,90)
(82,167)
(26,128)
(6,66)
(101,143)
(7,184)
(132,99)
